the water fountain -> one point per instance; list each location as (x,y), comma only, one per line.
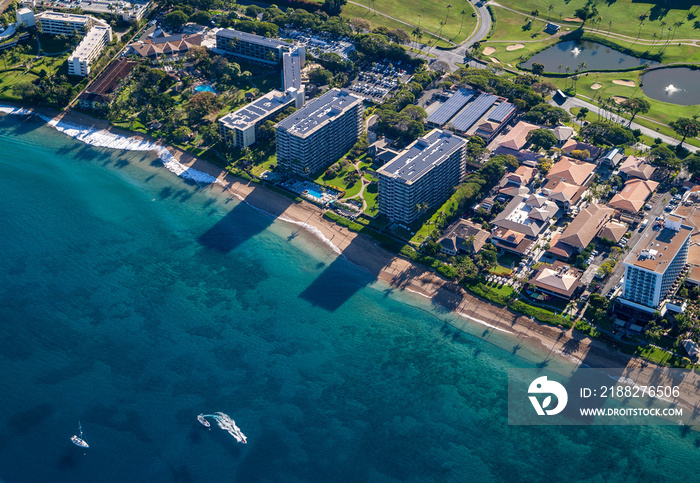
(675,85)
(570,53)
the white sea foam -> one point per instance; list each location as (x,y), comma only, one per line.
(418,292)
(227,424)
(484,323)
(315,231)
(105,139)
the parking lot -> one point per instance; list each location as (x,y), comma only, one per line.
(318,43)
(117,7)
(379,80)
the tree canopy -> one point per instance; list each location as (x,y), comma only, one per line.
(542,138)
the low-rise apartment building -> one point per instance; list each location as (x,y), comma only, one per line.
(239,128)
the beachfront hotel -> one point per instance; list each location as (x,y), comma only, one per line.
(426,171)
(320,133)
(57,23)
(654,264)
(89,49)
(251,46)
(239,128)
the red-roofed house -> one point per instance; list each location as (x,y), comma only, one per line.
(633,195)
(573,145)
(516,139)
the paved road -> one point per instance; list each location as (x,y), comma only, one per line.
(577,102)
(456,56)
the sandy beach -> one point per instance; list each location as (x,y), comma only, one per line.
(405,275)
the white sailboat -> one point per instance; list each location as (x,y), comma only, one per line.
(80,440)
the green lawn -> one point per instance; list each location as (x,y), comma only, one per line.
(515,57)
(624,15)
(337,181)
(376,19)
(500,270)
(427,15)
(9,78)
(370,196)
(512,26)
(259,168)
(662,112)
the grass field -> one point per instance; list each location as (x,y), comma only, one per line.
(515,57)
(660,111)
(512,26)
(426,15)
(625,16)
(9,78)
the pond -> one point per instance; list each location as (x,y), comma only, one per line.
(596,56)
(677,85)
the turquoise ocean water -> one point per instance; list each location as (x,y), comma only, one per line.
(132,300)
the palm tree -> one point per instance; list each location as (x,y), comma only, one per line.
(639,32)
(447,7)
(462,13)
(561,67)
(550,8)
(610,24)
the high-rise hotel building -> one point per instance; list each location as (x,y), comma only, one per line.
(320,133)
(655,263)
(426,171)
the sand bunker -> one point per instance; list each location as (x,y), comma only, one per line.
(619,99)
(494,60)
(626,83)
(572,19)
(489,50)
(596,86)
(510,48)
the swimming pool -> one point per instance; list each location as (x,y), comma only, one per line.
(313,191)
(205,88)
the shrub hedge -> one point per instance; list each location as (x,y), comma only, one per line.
(540,314)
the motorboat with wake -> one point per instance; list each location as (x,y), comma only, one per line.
(203,420)
(79,440)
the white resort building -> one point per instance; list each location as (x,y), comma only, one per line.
(97,34)
(320,133)
(654,264)
(239,128)
(88,50)
(426,172)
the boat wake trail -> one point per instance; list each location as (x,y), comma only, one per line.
(105,139)
(229,425)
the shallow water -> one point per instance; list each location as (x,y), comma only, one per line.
(132,301)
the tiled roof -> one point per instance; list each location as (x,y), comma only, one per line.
(633,195)
(573,145)
(571,170)
(585,226)
(517,137)
(613,230)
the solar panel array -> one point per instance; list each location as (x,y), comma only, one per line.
(501,112)
(451,107)
(473,112)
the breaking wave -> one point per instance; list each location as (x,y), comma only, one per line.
(104,139)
